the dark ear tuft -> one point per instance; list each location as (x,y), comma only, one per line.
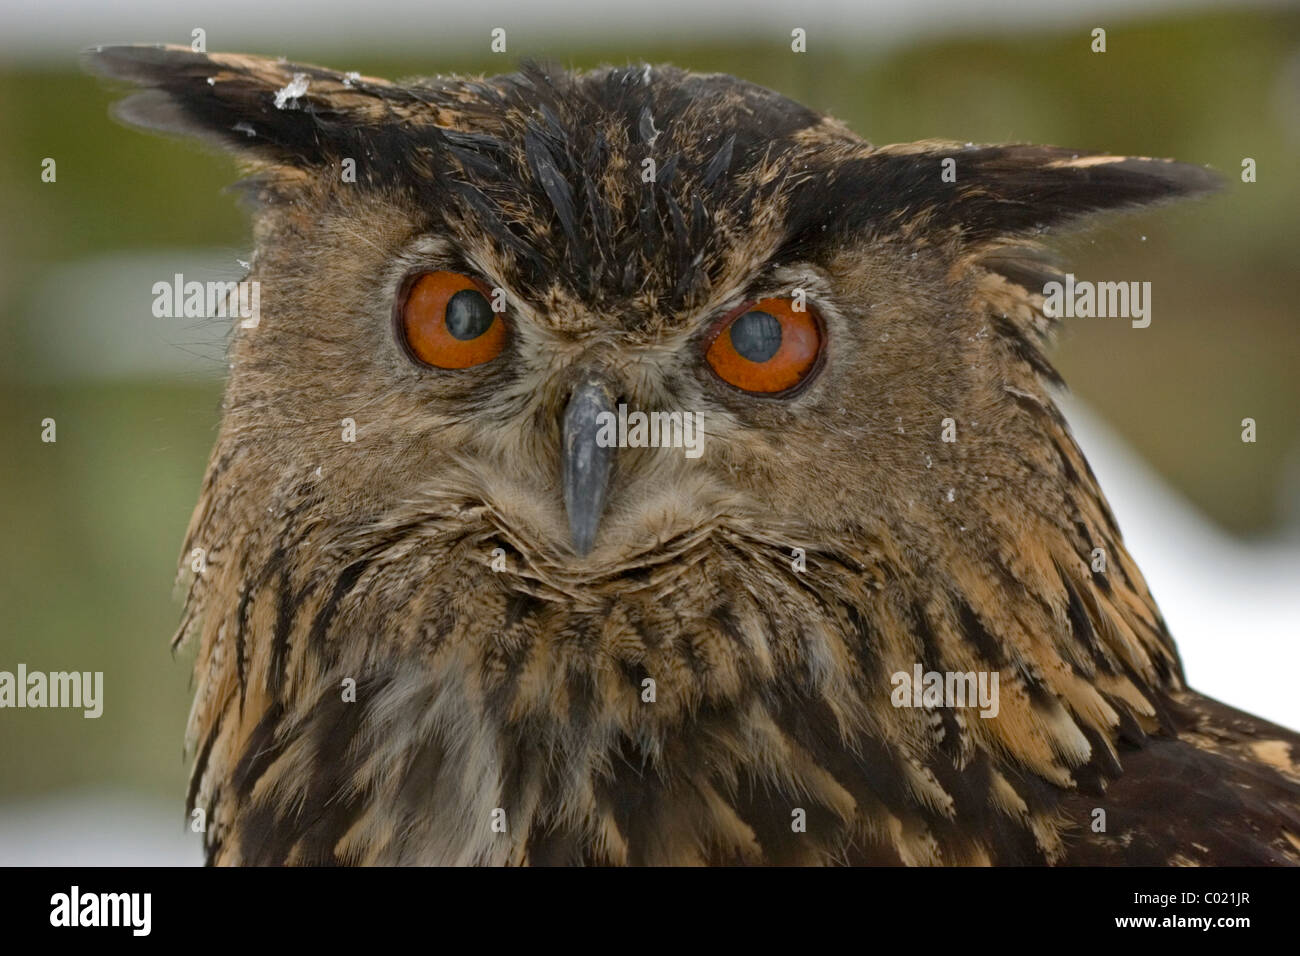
(267,109)
(1019,189)
(1002,190)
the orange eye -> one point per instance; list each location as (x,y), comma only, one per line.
(447,321)
(767,346)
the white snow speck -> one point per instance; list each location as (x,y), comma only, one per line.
(350,78)
(952,494)
(212,81)
(294,89)
(245,128)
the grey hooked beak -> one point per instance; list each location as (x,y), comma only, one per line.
(586,464)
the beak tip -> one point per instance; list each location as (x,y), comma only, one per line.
(582,532)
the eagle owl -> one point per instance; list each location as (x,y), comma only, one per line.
(445,620)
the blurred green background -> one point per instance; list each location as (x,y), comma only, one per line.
(94,522)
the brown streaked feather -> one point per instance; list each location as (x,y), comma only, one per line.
(1224,792)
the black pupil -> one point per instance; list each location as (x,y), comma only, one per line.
(756,336)
(468,315)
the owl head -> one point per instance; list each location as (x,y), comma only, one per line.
(475,271)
